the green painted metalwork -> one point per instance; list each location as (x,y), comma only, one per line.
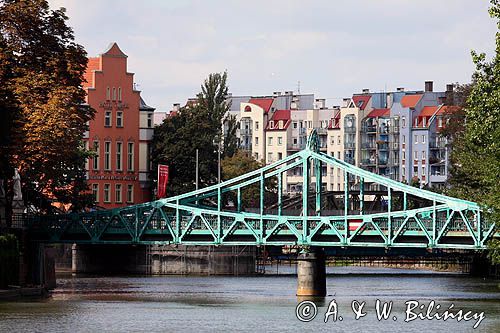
(200,218)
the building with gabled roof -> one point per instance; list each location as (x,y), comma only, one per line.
(120,133)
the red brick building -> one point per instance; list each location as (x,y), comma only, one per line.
(120,133)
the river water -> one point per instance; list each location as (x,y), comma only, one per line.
(254,304)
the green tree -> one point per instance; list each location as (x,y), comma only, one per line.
(475,171)
(239,164)
(198,125)
(47,117)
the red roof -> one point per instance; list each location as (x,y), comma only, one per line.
(361,101)
(379,113)
(280,115)
(264,103)
(410,101)
(334,122)
(94,64)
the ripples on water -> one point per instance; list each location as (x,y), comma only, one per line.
(256,304)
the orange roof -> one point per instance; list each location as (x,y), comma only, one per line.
(410,101)
(264,103)
(379,113)
(447,109)
(428,111)
(94,64)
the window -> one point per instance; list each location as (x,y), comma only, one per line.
(338,139)
(404,171)
(403,120)
(130,157)
(404,138)
(95,192)
(310,124)
(415,138)
(440,122)
(107,119)
(269,157)
(415,155)
(118,193)
(271,124)
(333,140)
(108,94)
(423,154)
(119,119)
(270,142)
(256,141)
(294,141)
(130,193)
(403,155)
(120,94)
(423,138)
(294,124)
(107,155)
(423,171)
(424,121)
(256,125)
(280,156)
(416,121)
(280,140)
(415,171)
(107,190)
(301,125)
(338,155)
(150,120)
(114,94)
(119,146)
(95,165)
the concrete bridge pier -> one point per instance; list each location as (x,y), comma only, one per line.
(311,273)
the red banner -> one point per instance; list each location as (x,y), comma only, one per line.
(162,180)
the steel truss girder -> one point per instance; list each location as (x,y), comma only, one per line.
(181,219)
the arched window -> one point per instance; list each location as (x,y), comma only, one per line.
(248,108)
(120,94)
(114,94)
(108,94)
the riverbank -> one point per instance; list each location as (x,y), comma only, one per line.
(17,293)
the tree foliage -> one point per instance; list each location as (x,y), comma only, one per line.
(476,156)
(42,72)
(196,126)
(239,164)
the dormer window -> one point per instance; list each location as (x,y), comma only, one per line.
(424,121)
(440,122)
(280,124)
(271,124)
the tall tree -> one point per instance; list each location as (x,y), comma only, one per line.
(46,99)
(476,155)
(198,125)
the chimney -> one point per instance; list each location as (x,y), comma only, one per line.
(428,86)
(400,89)
(366,91)
(345,102)
(177,107)
(449,87)
(277,93)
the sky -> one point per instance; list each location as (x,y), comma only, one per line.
(333,48)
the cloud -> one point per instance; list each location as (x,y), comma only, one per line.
(334,48)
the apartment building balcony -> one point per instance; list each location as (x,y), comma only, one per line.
(245,132)
(437,145)
(382,145)
(302,131)
(394,129)
(295,147)
(368,162)
(382,161)
(351,129)
(349,145)
(384,129)
(394,145)
(350,160)
(322,131)
(370,129)
(368,145)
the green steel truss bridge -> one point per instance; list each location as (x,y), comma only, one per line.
(217,215)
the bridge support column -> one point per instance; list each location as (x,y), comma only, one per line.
(311,273)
